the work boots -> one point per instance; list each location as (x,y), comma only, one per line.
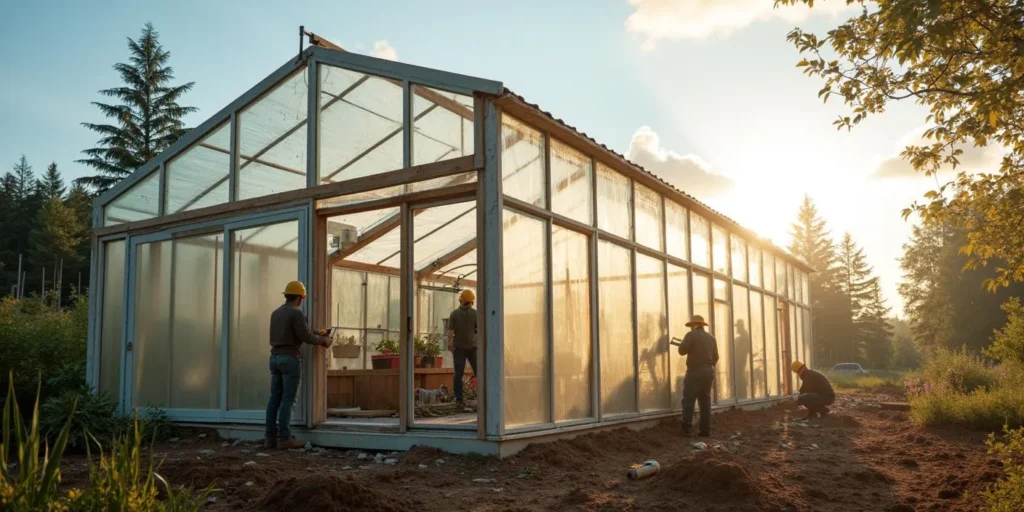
(270,442)
(290,444)
(687,430)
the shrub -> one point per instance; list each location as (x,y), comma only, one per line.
(982,409)
(89,414)
(876,380)
(1007,495)
(960,371)
(1008,342)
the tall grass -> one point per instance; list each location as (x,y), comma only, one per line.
(956,388)
(873,381)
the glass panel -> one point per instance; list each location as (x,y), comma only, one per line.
(196,322)
(527,387)
(394,303)
(769,270)
(442,125)
(347,314)
(757,346)
(723,335)
(678,315)
(805,292)
(112,318)
(614,202)
(571,295)
(398,190)
(652,334)
(794,346)
(702,297)
(572,183)
(808,352)
(648,217)
(151,340)
(772,352)
(739,258)
(741,341)
(720,249)
(780,276)
(800,352)
(675,218)
(522,161)
(755,266)
(441,233)
(140,202)
(360,124)
(263,258)
(700,240)
(272,140)
(615,278)
(791,278)
(198,177)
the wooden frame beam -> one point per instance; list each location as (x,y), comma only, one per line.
(446,260)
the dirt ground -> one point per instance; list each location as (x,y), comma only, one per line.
(859,458)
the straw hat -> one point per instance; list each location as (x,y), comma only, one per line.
(697,320)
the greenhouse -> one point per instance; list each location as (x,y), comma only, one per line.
(389,189)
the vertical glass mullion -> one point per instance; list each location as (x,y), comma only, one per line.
(233,165)
(312,123)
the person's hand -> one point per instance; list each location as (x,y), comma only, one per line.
(451,347)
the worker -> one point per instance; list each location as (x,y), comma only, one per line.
(288,331)
(816,392)
(461,338)
(701,351)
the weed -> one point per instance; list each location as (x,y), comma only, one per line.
(1007,495)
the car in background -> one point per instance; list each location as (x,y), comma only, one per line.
(849,368)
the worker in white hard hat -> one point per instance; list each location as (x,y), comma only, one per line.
(289,329)
(462,338)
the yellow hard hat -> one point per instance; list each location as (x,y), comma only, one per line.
(295,288)
(467,296)
(797,366)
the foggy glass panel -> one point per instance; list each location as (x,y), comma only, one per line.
(152,341)
(720,249)
(196,322)
(722,329)
(648,217)
(614,202)
(741,342)
(522,161)
(272,140)
(678,315)
(739,258)
(652,334)
(700,240)
(112,318)
(772,352)
(618,380)
(758,344)
(442,125)
(702,297)
(780,276)
(755,266)
(675,220)
(768,260)
(572,183)
(198,176)
(571,314)
(140,202)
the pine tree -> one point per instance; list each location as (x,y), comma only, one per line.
(26,201)
(147,116)
(24,180)
(925,288)
(52,185)
(855,285)
(56,235)
(80,202)
(812,243)
(8,256)
(876,329)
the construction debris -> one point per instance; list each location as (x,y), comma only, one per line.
(640,471)
(700,446)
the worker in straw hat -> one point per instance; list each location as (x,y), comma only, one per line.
(816,392)
(288,331)
(462,337)
(701,351)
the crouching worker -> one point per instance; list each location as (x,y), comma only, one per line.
(816,392)
(701,351)
(288,331)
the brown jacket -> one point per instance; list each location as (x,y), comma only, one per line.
(289,330)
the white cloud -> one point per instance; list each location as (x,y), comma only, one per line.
(973,159)
(671,20)
(383,50)
(689,173)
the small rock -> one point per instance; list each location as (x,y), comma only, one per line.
(364,456)
(206,452)
(700,446)
(225,444)
(250,464)
(211,499)
(379,458)
(735,436)
(245,452)
(391,462)
(484,481)
(439,462)
(262,455)
(365,467)
(309,446)
(175,439)
(494,470)
(347,468)
(236,443)
(250,484)
(202,436)
(496,489)
(424,466)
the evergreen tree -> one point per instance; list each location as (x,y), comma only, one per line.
(811,242)
(80,202)
(56,235)
(876,329)
(24,180)
(26,201)
(905,353)
(855,287)
(52,185)
(8,256)
(147,117)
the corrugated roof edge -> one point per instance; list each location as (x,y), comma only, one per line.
(640,168)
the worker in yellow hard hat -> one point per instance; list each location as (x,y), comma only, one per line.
(289,329)
(462,338)
(816,392)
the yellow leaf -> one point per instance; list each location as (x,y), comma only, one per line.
(993,118)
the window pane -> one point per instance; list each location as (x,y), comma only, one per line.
(741,341)
(652,337)
(700,240)
(675,218)
(800,350)
(780,276)
(755,266)
(360,123)
(272,140)
(757,345)
(791,278)
(720,245)
(723,335)
(398,190)
(614,202)
(571,295)
(151,341)
(112,318)
(615,277)
(140,202)
(648,217)
(198,177)
(806,323)
(264,258)
(739,258)
(772,353)
(702,297)
(522,161)
(794,342)
(769,270)
(442,125)
(572,183)
(196,322)
(805,292)
(678,315)
(527,389)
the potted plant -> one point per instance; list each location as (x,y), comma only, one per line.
(346,348)
(428,351)
(388,357)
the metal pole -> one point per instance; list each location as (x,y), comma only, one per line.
(17,294)
(42,287)
(21,286)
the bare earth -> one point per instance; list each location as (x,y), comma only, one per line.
(858,458)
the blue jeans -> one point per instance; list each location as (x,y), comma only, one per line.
(697,386)
(285,371)
(460,356)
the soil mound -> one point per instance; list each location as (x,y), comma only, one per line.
(721,479)
(331,494)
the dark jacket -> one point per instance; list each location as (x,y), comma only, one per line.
(700,349)
(815,382)
(289,330)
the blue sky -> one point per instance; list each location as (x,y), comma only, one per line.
(704,93)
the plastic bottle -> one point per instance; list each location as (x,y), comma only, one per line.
(639,471)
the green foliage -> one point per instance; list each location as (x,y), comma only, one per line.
(428,345)
(1007,495)
(146,118)
(957,388)
(962,61)
(34,486)
(960,371)
(386,346)
(56,235)
(876,380)
(1008,342)
(89,415)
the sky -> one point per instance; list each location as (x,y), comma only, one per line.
(704,93)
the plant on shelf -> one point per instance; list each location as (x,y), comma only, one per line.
(428,351)
(387,357)
(387,346)
(345,348)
